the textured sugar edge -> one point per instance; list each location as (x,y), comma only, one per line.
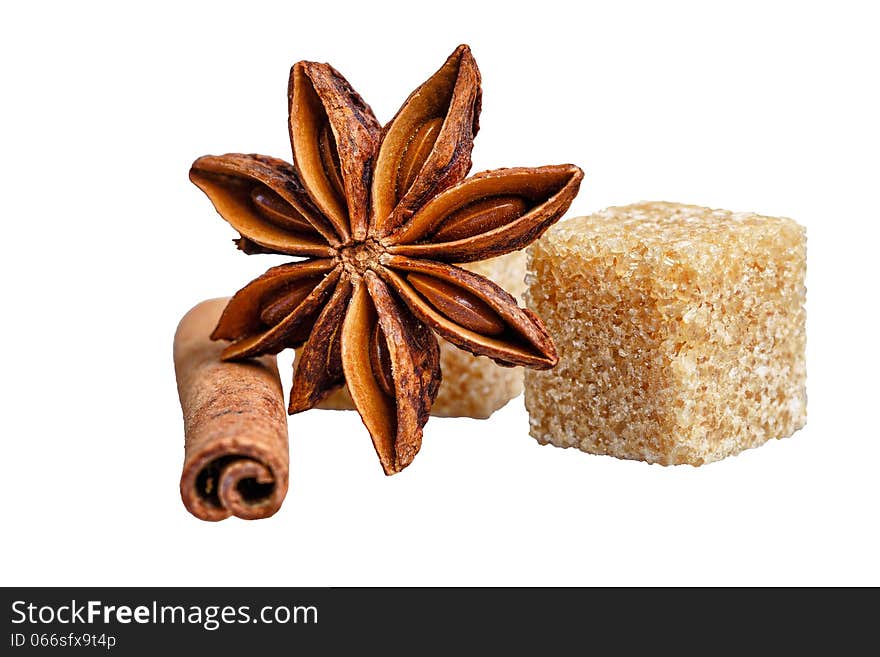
(687,449)
(658,458)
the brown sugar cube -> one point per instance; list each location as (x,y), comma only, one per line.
(680,332)
(472,386)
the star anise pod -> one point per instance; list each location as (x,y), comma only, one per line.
(380,216)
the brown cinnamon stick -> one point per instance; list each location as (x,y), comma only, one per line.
(235,425)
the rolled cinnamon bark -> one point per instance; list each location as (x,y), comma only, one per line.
(235,425)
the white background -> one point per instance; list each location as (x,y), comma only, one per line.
(769,107)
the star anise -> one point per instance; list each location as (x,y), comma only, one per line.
(381,215)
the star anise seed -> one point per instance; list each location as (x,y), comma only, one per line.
(381,216)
